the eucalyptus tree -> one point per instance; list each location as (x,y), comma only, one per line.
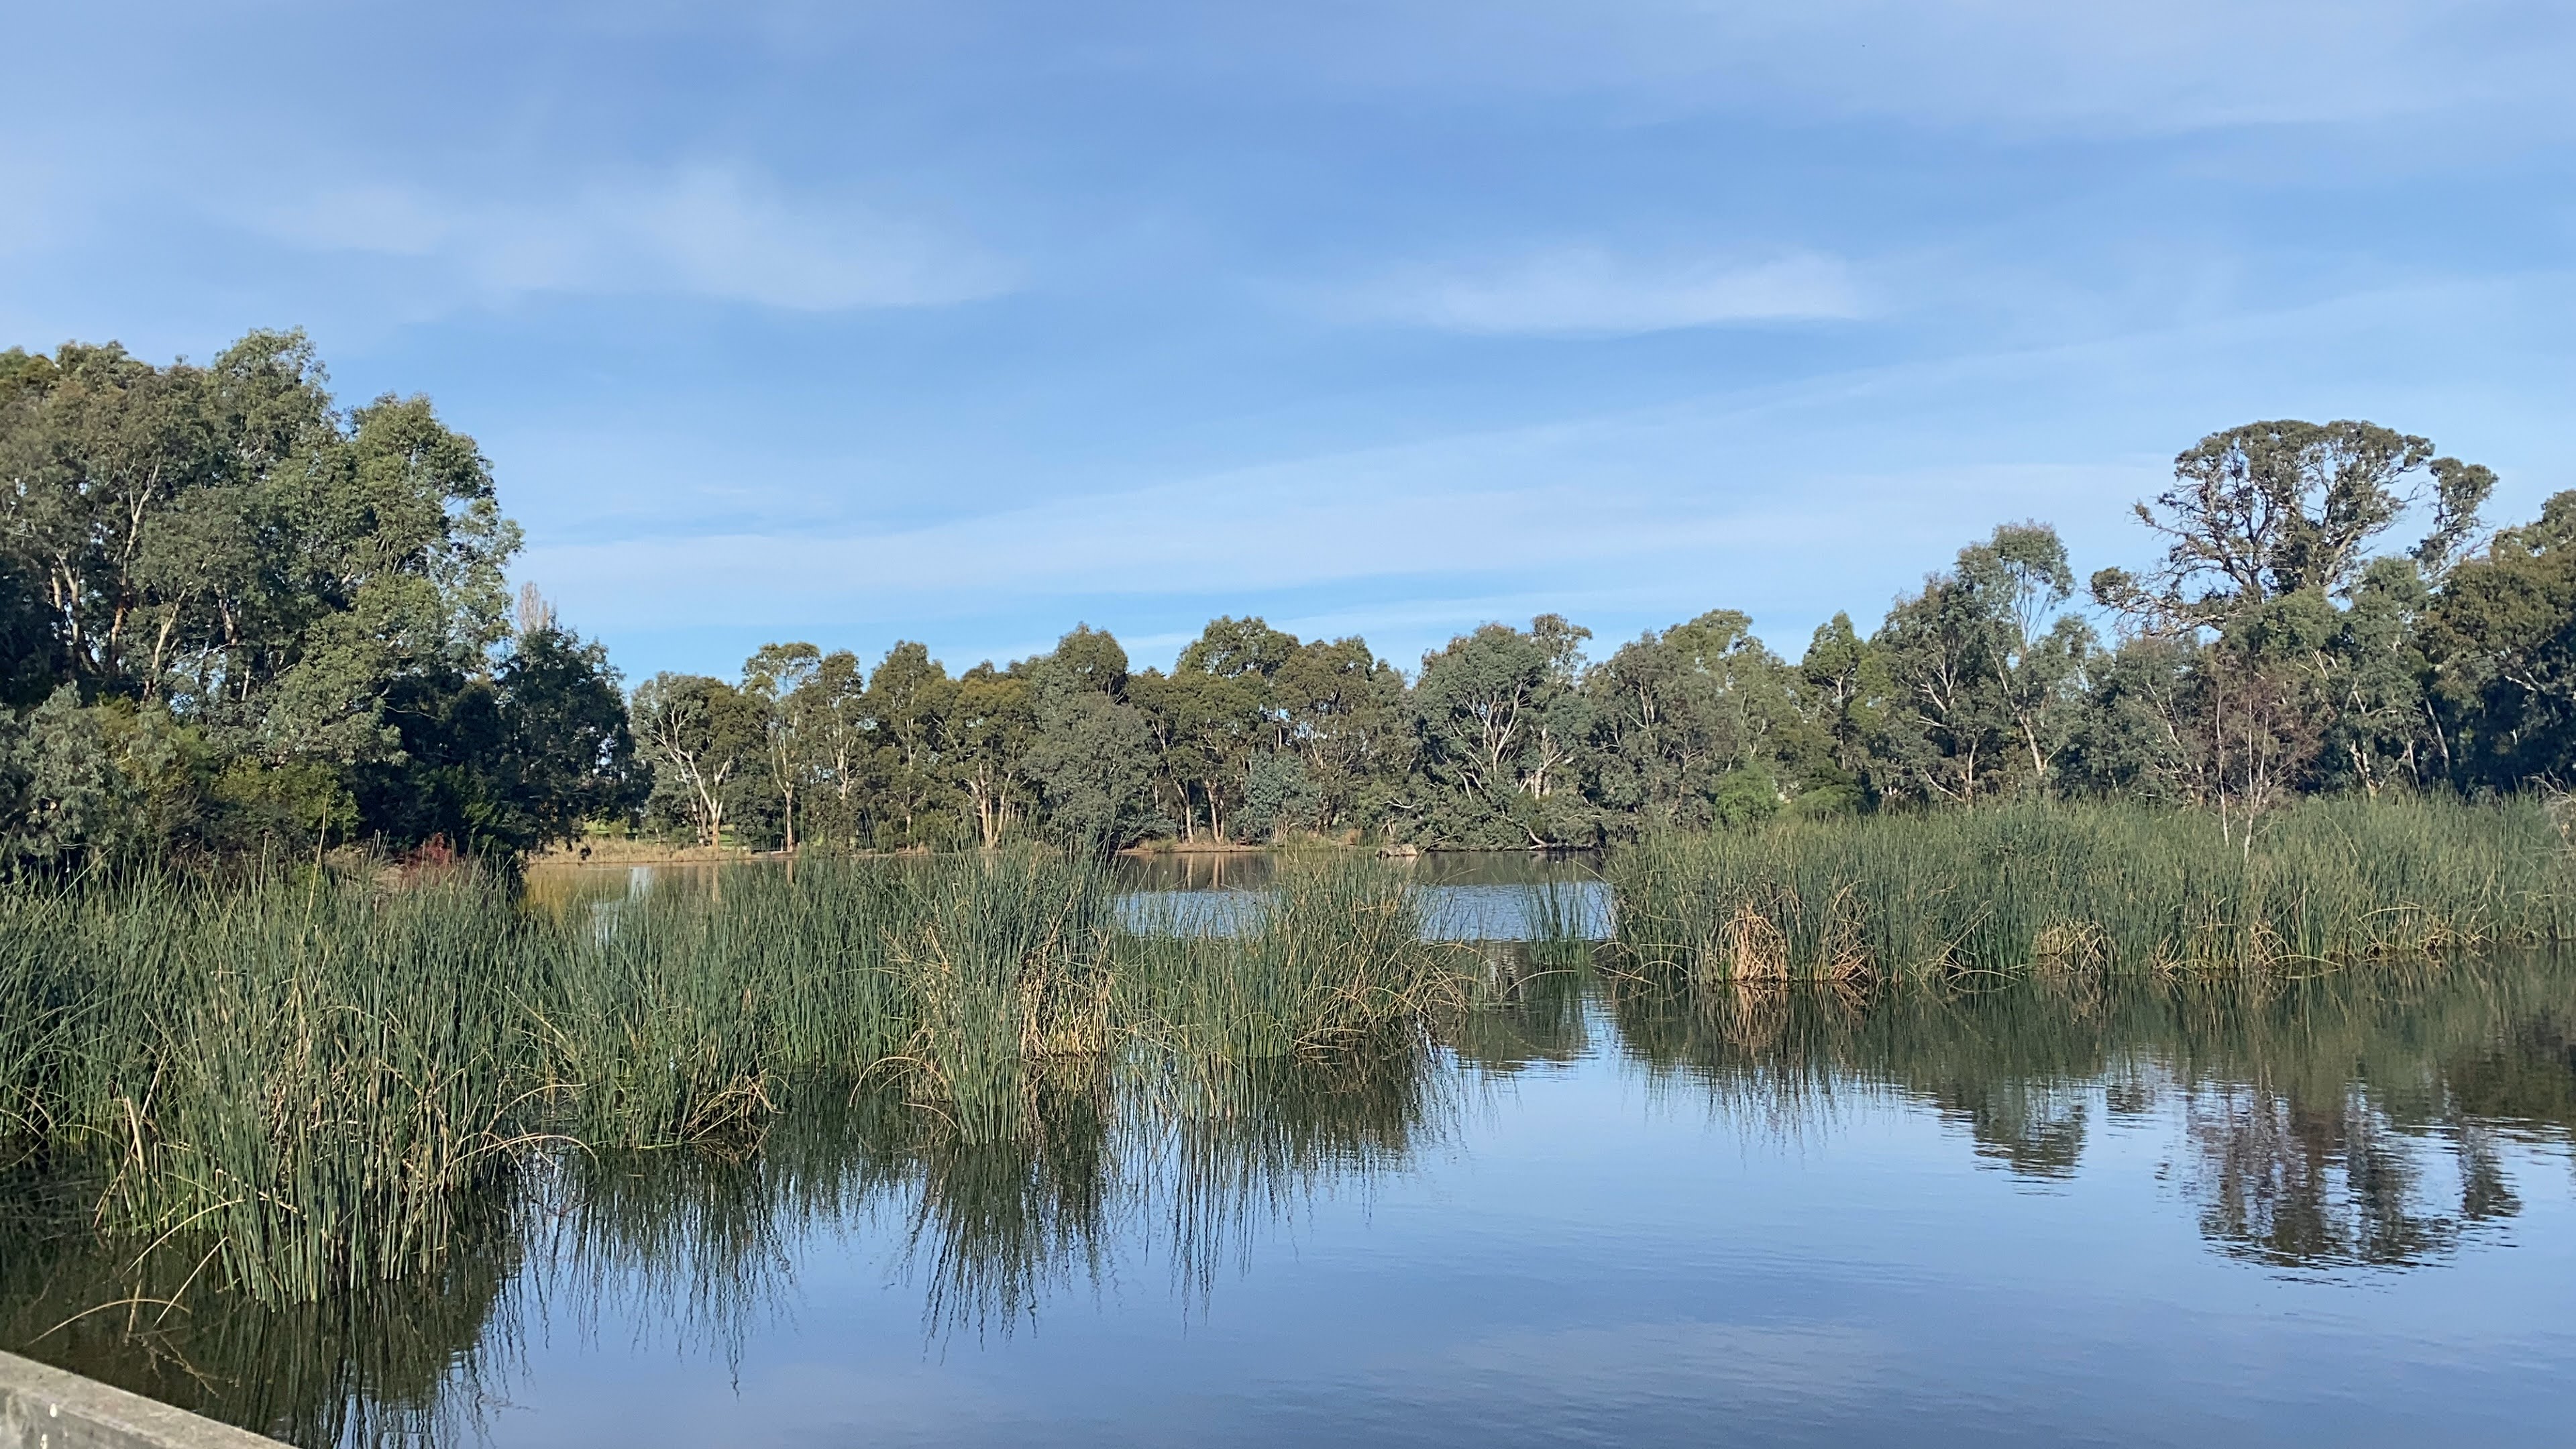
(1231,648)
(568,752)
(833,736)
(1688,721)
(30,664)
(1501,720)
(1203,729)
(775,682)
(2379,730)
(1348,719)
(62,799)
(1279,796)
(2500,648)
(290,615)
(908,707)
(2270,509)
(1843,693)
(2270,561)
(991,729)
(1216,715)
(494,763)
(702,736)
(2134,738)
(1091,753)
(1983,672)
(225,539)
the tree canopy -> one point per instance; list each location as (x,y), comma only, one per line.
(236,615)
(235,612)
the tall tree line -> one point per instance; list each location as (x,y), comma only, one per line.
(2288,641)
(237,616)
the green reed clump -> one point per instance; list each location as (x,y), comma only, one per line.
(316,1083)
(691,1014)
(41,1011)
(1559,918)
(1003,965)
(688,1016)
(2093,886)
(305,1078)
(1329,957)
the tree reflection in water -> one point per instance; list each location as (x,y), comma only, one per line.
(2345,1120)
(2316,1125)
(2303,1185)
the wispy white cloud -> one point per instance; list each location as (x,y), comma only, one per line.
(702,231)
(1442,522)
(1574,291)
(1789,500)
(2113,65)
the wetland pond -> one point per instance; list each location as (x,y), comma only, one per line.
(2109,1211)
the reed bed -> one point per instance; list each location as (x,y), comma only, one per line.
(1007,967)
(302,1078)
(685,1016)
(1330,958)
(313,1084)
(2053,888)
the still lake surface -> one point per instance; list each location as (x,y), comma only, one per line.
(2340,1210)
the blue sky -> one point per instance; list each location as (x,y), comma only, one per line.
(965,321)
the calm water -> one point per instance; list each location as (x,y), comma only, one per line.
(1482,896)
(2341,1211)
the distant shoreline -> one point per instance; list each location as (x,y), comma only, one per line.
(641,853)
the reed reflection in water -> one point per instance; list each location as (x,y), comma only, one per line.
(2321,1128)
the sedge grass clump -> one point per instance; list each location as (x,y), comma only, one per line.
(1002,963)
(303,1080)
(1330,956)
(692,1015)
(1561,920)
(46,1006)
(2040,887)
(315,1083)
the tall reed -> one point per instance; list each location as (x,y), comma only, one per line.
(1003,966)
(2117,888)
(688,1015)
(314,1082)
(307,1077)
(1331,956)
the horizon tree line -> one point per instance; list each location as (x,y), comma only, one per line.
(236,617)
(2276,649)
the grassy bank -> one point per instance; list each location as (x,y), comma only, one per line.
(2093,887)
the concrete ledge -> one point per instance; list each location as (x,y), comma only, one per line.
(45,1408)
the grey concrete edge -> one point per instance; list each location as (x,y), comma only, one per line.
(36,1399)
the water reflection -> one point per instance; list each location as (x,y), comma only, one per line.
(1255,870)
(1559,910)
(2319,1127)
(2334,1122)
(405,1366)
(2301,1185)
(1481,896)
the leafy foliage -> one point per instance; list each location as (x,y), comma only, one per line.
(236,617)
(246,618)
